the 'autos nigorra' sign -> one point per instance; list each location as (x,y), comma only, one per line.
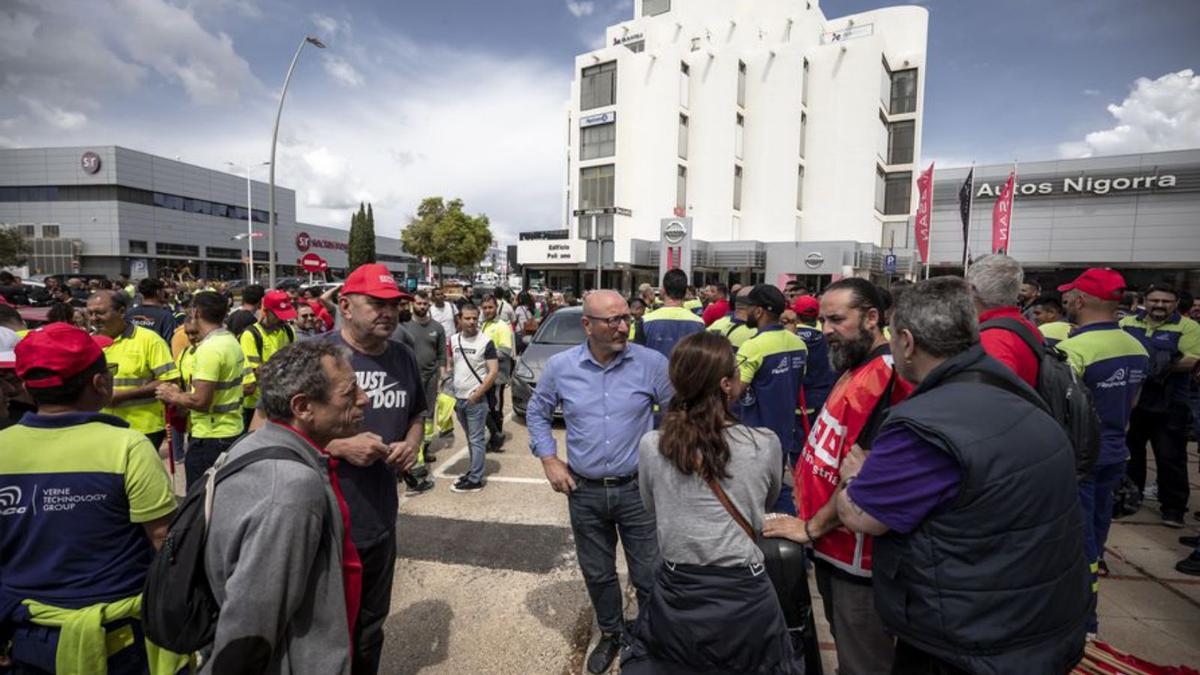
(1083,185)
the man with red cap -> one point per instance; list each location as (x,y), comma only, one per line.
(1113,365)
(261,340)
(86,503)
(387,371)
(819,376)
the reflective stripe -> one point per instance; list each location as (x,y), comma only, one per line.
(166,367)
(129,381)
(254,359)
(133,402)
(227,385)
(247,370)
(228,407)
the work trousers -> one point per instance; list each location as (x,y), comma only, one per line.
(1166,432)
(379,569)
(863,645)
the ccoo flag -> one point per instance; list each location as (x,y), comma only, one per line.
(964,209)
(924,208)
(1002,215)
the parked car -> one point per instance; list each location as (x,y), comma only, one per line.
(559,332)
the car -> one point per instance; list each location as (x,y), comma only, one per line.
(559,332)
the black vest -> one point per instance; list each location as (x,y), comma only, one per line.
(996,582)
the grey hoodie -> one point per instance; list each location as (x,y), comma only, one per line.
(274,560)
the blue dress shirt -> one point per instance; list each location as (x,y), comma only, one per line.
(607,408)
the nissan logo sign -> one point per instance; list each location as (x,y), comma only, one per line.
(814,260)
(674,232)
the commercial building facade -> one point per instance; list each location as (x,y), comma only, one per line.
(111,210)
(1136,213)
(785,139)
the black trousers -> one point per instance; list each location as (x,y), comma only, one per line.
(202,453)
(379,568)
(1166,432)
(913,661)
(495,418)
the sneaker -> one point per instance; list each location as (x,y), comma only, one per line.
(465,484)
(419,471)
(1190,565)
(1193,540)
(419,488)
(1173,520)
(601,658)
(1150,494)
(496,443)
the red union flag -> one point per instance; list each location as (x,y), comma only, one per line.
(924,209)
(1002,216)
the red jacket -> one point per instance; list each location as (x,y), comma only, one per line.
(714,311)
(1008,347)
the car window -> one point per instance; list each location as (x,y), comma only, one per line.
(562,328)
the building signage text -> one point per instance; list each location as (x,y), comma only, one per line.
(848,33)
(601,118)
(629,37)
(89,162)
(1082,185)
(551,252)
(305,242)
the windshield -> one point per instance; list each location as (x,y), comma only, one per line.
(562,328)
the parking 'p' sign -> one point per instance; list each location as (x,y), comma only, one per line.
(90,162)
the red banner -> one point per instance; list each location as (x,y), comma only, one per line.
(924,209)
(1002,216)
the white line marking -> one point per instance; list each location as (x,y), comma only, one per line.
(453,459)
(446,463)
(516,479)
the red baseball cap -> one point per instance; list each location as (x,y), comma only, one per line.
(374,280)
(807,306)
(1099,282)
(279,303)
(58,347)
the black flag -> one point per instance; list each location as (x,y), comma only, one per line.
(964,209)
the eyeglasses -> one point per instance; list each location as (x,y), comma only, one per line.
(612,322)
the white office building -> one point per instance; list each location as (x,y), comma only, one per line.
(787,141)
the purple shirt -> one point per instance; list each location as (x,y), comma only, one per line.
(904,479)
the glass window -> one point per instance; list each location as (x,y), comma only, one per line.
(136,246)
(604,226)
(803,132)
(893,192)
(598,141)
(237,212)
(636,47)
(183,250)
(739,135)
(904,91)
(900,142)
(259,216)
(683,136)
(160,199)
(561,328)
(800,189)
(225,253)
(737,188)
(50,231)
(741,84)
(598,86)
(596,186)
(681,187)
(685,91)
(26,231)
(10,194)
(262,255)
(804,84)
(655,7)
(220,210)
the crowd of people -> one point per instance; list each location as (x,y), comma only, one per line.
(906,445)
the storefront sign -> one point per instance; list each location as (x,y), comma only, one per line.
(305,242)
(601,118)
(814,260)
(551,252)
(89,162)
(629,37)
(1083,185)
(850,33)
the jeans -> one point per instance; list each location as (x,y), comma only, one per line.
(598,516)
(201,454)
(1166,432)
(379,570)
(473,418)
(1096,499)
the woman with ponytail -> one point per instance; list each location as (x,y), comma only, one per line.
(709,480)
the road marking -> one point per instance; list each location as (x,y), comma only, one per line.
(447,463)
(453,459)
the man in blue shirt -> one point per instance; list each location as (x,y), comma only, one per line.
(608,389)
(672,322)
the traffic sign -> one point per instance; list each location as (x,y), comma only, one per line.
(889,263)
(311,262)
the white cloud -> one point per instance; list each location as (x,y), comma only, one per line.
(581,8)
(1160,114)
(54,116)
(327,26)
(341,70)
(1091,92)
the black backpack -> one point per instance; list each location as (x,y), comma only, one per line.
(1065,395)
(179,611)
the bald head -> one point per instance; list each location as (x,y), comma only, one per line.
(604,303)
(606,323)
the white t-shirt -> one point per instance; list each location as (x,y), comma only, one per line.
(470,353)
(445,316)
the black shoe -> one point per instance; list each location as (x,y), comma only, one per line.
(496,443)
(1172,519)
(602,656)
(465,484)
(1190,565)
(419,488)
(419,471)
(1193,540)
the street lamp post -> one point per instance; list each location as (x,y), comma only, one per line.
(249,221)
(274,137)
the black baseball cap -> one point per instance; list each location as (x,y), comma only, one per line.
(766,296)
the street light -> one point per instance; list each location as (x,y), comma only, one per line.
(249,219)
(274,137)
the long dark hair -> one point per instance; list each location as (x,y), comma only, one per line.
(693,430)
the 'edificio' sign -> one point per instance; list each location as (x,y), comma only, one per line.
(1083,185)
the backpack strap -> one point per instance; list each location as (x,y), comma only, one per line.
(993,380)
(256,333)
(1014,326)
(221,470)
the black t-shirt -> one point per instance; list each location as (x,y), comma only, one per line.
(395,398)
(239,321)
(152,317)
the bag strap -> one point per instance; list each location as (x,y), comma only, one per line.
(220,470)
(715,486)
(468,361)
(732,327)
(993,380)
(1014,326)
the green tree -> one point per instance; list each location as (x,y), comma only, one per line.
(447,235)
(13,247)
(362,237)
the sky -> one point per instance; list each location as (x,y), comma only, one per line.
(462,98)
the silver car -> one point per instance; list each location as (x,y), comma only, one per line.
(559,332)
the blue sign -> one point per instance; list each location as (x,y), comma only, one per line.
(889,263)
